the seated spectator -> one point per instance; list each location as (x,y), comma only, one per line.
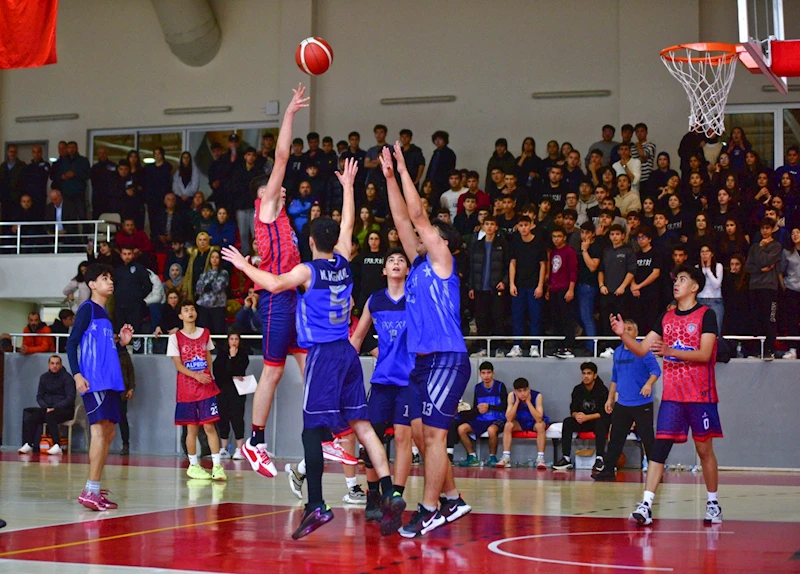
(364,225)
(628,199)
(61,326)
(495,187)
(210,295)
(487,281)
(170,222)
(695,196)
(317,183)
(299,208)
(663,238)
(487,415)
(169,321)
(303,245)
(59,211)
(77,291)
(186,180)
(56,398)
(762,264)
(223,231)
(450,197)
(26,212)
(32,345)
(203,219)
(627,165)
(482,198)
(587,414)
(525,412)
(137,240)
(378,207)
(678,221)
(177,255)
(648,211)
(660,177)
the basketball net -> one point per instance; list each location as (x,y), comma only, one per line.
(706,73)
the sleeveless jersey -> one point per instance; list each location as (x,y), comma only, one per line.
(395,362)
(99,360)
(277,244)
(524,415)
(433,304)
(492,397)
(323,313)
(194,358)
(687,382)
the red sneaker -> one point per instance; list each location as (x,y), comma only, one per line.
(92,501)
(108,504)
(259,459)
(332,450)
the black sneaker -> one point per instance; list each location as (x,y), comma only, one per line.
(452,510)
(605,475)
(422,522)
(769,356)
(392,513)
(450,457)
(563,464)
(126,450)
(599,465)
(313,518)
(373,511)
(416,460)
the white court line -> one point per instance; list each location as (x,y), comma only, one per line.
(495,547)
(40,566)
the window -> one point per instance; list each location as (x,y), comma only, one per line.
(771,128)
(118,145)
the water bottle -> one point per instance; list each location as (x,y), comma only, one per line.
(149,346)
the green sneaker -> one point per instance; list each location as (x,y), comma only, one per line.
(471,460)
(218,473)
(492,461)
(197,471)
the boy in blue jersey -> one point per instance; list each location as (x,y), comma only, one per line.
(488,415)
(525,412)
(98,376)
(388,396)
(334,382)
(441,368)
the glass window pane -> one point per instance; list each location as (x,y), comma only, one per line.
(791,130)
(172,142)
(200,148)
(760,131)
(118,145)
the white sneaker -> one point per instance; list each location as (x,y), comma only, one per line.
(515,352)
(481,353)
(237,454)
(790,354)
(713,513)
(540,463)
(223,453)
(607,354)
(55,449)
(355,496)
(534,352)
(499,354)
(643,515)
(25,449)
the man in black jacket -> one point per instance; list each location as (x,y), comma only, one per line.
(35,177)
(66,318)
(11,182)
(60,210)
(131,285)
(169,223)
(242,197)
(56,398)
(488,278)
(587,414)
(102,175)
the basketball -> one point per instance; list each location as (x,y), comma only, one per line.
(314,56)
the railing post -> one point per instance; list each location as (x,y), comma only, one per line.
(19,239)
(55,245)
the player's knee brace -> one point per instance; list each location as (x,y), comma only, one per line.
(661,450)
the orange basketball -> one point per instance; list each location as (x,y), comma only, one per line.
(314,56)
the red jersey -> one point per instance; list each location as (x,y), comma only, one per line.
(277,243)
(687,382)
(194,357)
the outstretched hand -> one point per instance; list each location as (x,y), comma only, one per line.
(398,157)
(347,176)
(386,163)
(298,101)
(617,324)
(232,255)
(125,335)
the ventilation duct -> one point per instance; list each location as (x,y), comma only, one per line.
(190,29)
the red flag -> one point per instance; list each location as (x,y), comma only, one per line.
(27,33)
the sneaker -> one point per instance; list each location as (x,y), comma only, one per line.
(108,504)
(416,459)
(197,471)
(332,450)
(790,354)
(422,522)
(564,354)
(713,513)
(492,461)
(477,354)
(563,464)
(259,459)
(607,354)
(218,473)
(392,509)
(452,510)
(605,475)
(514,352)
(355,496)
(373,511)
(471,460)
(126,450)
(540,463)
(534,352)
(91,501)
(55,449)
(313,519)
(769,356)
(643,515)
(295,480)
(237,454)
(25,449)
(504,462)
(644,464)
(499,354)
(223,453)
(599,465)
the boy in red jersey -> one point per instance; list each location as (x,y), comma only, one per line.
(687,339)
(190,349)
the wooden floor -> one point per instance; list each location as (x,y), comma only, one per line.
(523,519)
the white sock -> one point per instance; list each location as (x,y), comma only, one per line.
(301,468)
(216,459)
(506,454)
(93,486)
(449,450)
(192,459)
(539,455)
(414,450)
(351,482)
(648,497)
(712,497)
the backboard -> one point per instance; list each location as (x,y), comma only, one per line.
(760,25)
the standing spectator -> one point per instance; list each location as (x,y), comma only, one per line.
(449,199)
(762,263)
(74,173)
(137,240)
(507,220)
(792,166)
(31,345)
(186,181)
(61,326)
(220,170)
(303,245)
(526,275)
(443,160)
(732,241)
(790,283)
(169,224)
(175,280)
(529,165)
(210,295)
(586,290)
(711,295)
(56,399)
(628,199)
(587,413)
(313,154)
(367,269)
(26,213)
(628,165)
(77,291)
(296,168)
(586,201)
(35,178)
(137,176)
(328,162)
(646,284)
(488,277)
(157,182)
(12,183)
(736,299)
(243,197)
(415,161)
(102,177)
(561,291)
(365,224)
(616,272)
(372,163)
(223,230)
(553,189)
(355,152)
(105,255)
(177,255)
(737,148)
(129,378)
(481,197)
(131,286)
(605,145)
(501,158)
(660,176)
(55,171)
(231,363)
(573,175)
(169,322)
(645,152)
(679,222)
(376,204)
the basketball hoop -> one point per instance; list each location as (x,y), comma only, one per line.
(705,71)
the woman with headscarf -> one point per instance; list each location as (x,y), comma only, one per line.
(198,263)
(175,281)
(186,180)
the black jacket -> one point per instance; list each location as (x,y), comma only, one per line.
(227,367)
(589,402)
(131,285)
(68,213)
(60,328)
(181,226)
(56,391)
(498,266)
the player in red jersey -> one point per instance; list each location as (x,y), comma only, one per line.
(687,339)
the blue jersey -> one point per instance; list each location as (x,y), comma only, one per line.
(93,336)
(524,416)
(394,360)
(494,397)
(323,313)
(433,303)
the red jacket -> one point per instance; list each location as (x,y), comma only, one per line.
(563,268)
(138,240)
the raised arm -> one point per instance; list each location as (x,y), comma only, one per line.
(347,178)
(300,275)
(637,348)
(398,208)
(284,145)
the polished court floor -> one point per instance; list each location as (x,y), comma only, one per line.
(523,520)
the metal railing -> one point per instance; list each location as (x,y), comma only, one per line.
(540,339)
(45,236)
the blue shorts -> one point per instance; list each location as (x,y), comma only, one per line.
(102,406)
(341,429)
(388,404)
(528,424)
(278,326)
(675,419)
(200,412)
(334,386)
(479,427)
(436,385)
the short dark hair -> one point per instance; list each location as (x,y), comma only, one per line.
(325,232)
(72,142)
(529,207)
(448,233)
(327,139)
(312,136)
(397,251)
(570,213)
(380,127)
(558,229)
(257,184)
(558,167)
(622,145)
(501,141)
(589,365)
(486,366)
(268,136)
(609,212)
(65,314)
(406,132)
(640,125)
(354,134)
(126,248)
(521,383)
(523,219)
(498,168)
(660,211)
(678,247)
(470,195)
(626,127)
(646,230)
(767,221)
(453,172)
(443,210)
(616,227)
(186,303)
(441,134)
(694,273)
(297,141)
(97,270)
(609,127)
(596,151)
(587,226)
(490,217)
(546,199)
(634,213)
(473,175)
